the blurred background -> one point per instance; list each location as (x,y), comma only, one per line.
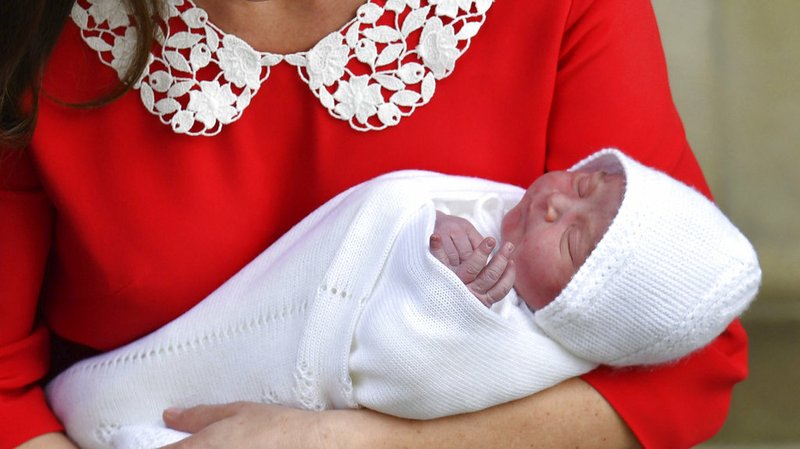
(735,75)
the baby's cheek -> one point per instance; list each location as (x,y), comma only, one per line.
(525,283)
(510,221)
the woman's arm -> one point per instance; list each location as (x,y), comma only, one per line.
(25,230)
(611,90)
(49,441)
(568,415)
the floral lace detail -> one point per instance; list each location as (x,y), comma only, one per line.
(375,70)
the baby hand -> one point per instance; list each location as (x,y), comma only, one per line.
(494,280)
(457,239)
(489,282)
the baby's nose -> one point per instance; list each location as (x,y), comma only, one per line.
(551,214)
(557,202)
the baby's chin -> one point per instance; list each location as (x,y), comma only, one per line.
(534,301)
(536,306)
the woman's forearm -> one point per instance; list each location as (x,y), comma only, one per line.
(568,415)
(49,441)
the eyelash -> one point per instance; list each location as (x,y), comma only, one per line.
(580,187)
(570,232)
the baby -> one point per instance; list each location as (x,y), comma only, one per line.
(371,301)
(657,255)
(548,235)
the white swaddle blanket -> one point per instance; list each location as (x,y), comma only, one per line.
(347,309)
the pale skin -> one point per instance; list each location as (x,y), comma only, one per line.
(572,414)
(569,415)
(280,26)
(545,238)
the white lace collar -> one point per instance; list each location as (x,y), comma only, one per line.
(365,73)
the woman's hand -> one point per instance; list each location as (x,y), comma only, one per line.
(249,425)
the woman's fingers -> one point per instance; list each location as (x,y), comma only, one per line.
(196,418)
(251,425)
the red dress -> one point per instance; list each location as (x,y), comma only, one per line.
(115,223)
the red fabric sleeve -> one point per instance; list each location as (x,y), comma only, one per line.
(25,229)
(612,91)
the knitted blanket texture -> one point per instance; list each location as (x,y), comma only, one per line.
(348,309)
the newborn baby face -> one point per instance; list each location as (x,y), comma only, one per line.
(556,226)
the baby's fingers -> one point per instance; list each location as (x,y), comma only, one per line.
(499,290)
(468,270)
(437,249)
(447,253)
(496,279)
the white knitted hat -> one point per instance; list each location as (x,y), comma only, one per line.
(667,277)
